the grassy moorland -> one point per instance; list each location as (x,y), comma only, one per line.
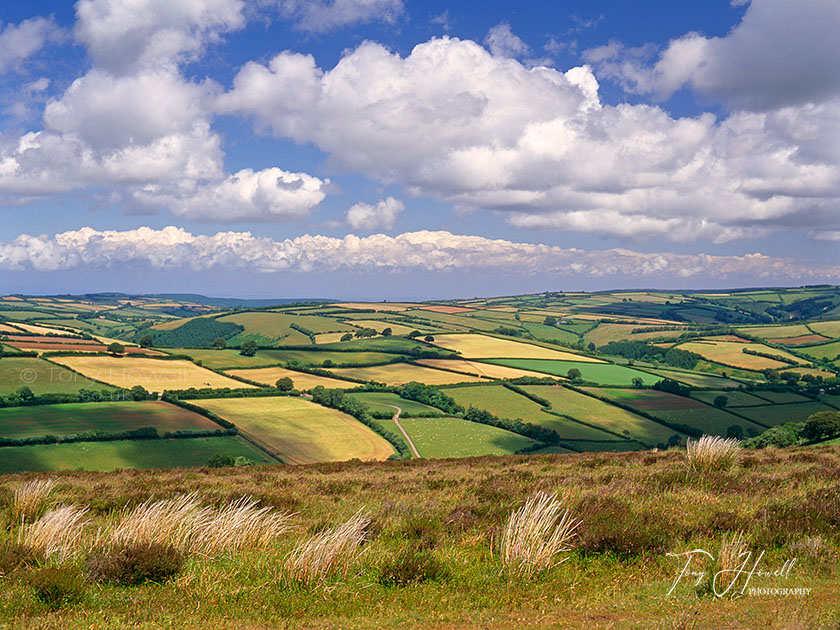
(432,554)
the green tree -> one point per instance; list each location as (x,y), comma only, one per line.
(221,460)
(591,346)
(284,384)
(574,374)
(735,431)
(823,425)
(550,320)
(346,337)
(25,395)
(721,401)
(116,348)
(327,363)
(138,392)
(414,334)
(147,341)
(387,332)
(220,343)
(429,338)
(248,349)
(638,382)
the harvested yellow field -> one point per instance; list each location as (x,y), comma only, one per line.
(487,370)
(777,332)
(299,431)
(731,353)
(379,326)
(400,373)
(175,323)
(302,380)
(8,329)
(829,329)
(811,371)
(481,347)
(41,330)
(153,374)
(329,337)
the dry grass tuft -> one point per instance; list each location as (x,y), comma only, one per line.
(59,532)
(30,498)
(239,524)
(712,454)
(535,534)
(730,557)
(327,554)
(184,524)
(169,522)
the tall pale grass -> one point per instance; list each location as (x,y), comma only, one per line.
(712,454)
(239,524)
(327,554)
(535,534)
(30,498)
(730,558)
(185,524)
(59,532)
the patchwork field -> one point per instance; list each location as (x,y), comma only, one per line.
(796,341)
(778,332)
(42,377)
(42,347)
(135,454)
(455,437)
(733,398)
(732,354)
(385,402)
(275,328)
(477,368)
(483,347)
(302,380)
(299,431)
(829,329)
(602,373)
(825,351)
(401,373)
(112,417)
(601,414)
(694,379)
(505,403)
(155,375)
(679,410)
(779,414)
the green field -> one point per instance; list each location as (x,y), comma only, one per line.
(385,402)
(601,373)
(42,377)
(222,359)
(779,414)
(825,351)
(733,398)
(781,397)
(271,328)
(601,414)
(102,416)
(696,380)
(299,431)
(454,437)
(504,403)
(139,454)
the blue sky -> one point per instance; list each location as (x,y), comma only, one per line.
(377,149)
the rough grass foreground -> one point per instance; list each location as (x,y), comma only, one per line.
(420,544)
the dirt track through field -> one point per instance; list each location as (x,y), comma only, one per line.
(396,420)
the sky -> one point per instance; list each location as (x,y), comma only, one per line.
(392,149)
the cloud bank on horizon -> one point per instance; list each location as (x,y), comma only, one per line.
(490,130)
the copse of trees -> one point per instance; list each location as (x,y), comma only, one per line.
(643,351)
(201,332)
(249,348)
(429,395)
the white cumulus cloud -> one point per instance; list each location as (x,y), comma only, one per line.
(173,248)
(382,215)
(20,41)
(452,121)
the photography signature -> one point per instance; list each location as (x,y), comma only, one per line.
(727,580)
